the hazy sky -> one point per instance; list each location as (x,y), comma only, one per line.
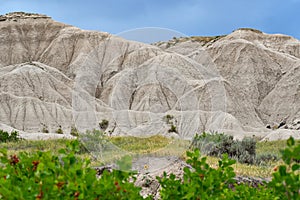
(190,17)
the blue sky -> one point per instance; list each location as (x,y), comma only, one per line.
(190,17)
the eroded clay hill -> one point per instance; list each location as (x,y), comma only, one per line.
(55,76)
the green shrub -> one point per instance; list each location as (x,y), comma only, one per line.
(172,129)
(6,137)
(43,175)
(198,183)
(218,144)
(104,124)
(264,159)
(44,129)
(205,182)
(74,131)
(168,119)
(59,131)
(286,179)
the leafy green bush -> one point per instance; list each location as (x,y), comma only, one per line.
(219,144)
(45,130)
(243,151)
(59,131)
(205,182)
(74,131)
(168,119)
(172,129)
(43,175)
(104,124)
(286,179)
(6,137)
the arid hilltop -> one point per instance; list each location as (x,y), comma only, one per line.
(56,76)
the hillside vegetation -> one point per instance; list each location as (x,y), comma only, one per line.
(47,174)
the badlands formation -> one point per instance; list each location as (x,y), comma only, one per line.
(56,76)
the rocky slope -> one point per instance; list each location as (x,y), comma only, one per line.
(261,69)
(55,76)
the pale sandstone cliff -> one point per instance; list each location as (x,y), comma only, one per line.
(53,75)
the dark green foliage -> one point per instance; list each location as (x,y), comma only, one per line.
(59,131)
(172,129)
(286,179)
(243,151)
(205,182)
(82,149)
(6,137)
(219,144)
(168,119)
(103,124)
(45,130)
(74,131)
(43,175)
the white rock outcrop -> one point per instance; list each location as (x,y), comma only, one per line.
(54,76)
